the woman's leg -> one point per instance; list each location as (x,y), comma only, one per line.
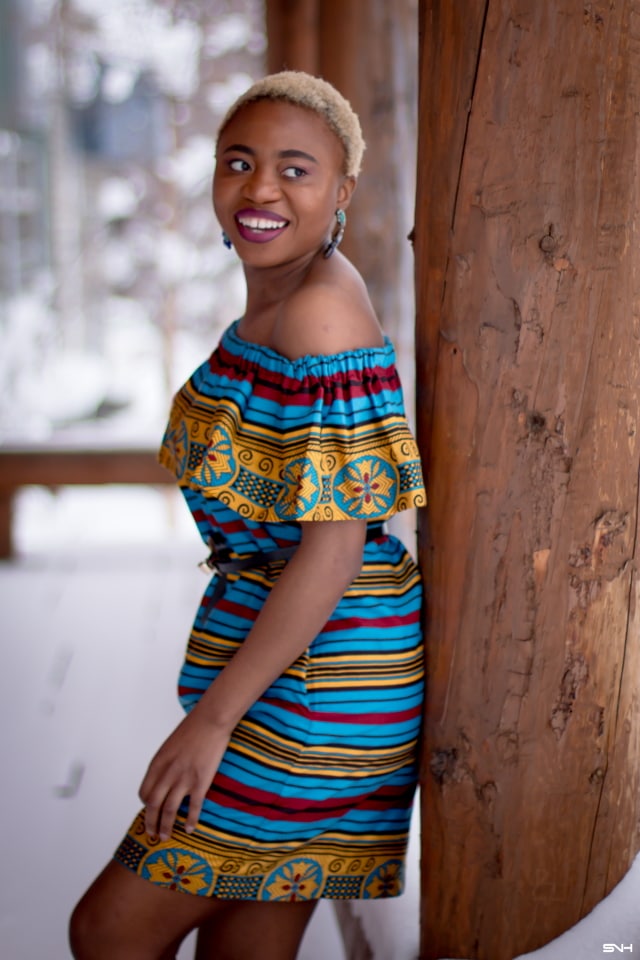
(248,929)
(126,917)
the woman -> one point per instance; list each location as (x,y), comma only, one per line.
(292,774)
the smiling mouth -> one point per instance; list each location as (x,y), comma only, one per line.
(258,229)
(259,223)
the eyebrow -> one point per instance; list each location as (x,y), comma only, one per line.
(283,154)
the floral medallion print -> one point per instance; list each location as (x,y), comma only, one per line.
(387,880)
(219,462)
(176,440)
(178,870)
(301,489)
(296,880)
(366,487)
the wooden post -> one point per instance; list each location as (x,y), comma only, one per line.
(369,51)
(292,32)
(528,350)
(375,65)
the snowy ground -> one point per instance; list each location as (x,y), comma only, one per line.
(95,607)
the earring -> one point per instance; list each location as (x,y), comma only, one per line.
(226,241)
(336,240)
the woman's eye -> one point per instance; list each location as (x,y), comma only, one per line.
(239,165)
(294,173)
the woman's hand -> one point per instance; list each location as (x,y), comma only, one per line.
(185,765)
(327,560)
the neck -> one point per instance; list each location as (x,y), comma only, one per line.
(267,287)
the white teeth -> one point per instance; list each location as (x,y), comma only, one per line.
(256,223)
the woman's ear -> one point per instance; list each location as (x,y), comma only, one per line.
(345,191)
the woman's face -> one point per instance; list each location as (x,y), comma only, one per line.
(278,182)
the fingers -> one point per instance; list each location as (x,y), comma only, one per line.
(163,802)
(152,795)
(168,812)
(196,800)
(183,768)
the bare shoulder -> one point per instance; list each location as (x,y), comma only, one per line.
(329,314)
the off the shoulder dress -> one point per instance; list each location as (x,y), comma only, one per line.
(314,793)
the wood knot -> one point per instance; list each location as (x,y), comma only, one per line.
(536,422)
(442,764)
(575,674)
(608,526)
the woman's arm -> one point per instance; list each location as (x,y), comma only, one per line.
(305,595)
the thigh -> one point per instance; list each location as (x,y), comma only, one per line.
(247,929)
(123,915)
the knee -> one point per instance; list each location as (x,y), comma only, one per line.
(77,932)
(81,933)
(85,933)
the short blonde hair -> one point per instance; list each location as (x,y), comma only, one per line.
(313,93)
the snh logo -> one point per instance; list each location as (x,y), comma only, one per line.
(617,947)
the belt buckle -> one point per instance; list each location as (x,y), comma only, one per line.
(210,563)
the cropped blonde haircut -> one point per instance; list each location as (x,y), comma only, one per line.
(313,93)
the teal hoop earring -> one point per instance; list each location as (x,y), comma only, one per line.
(336,240)
(226,241)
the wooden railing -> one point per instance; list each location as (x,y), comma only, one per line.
(57,466)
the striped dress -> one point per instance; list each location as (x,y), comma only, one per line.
(313,796)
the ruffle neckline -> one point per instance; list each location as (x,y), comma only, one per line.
(318,364)
(316,438)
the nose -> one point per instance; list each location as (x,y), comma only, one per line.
(262,185)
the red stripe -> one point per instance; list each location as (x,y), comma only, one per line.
(228,792)
(235,526)
(237,609)
(386,717)
(352,623)
(301,397)
(333,716)
(356,382)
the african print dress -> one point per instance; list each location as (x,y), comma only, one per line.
(313,796)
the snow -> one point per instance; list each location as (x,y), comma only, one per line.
(74,383)
(191,167)
(95,563)
(176,256)
(230,33)
(221,95)
(392,931)
(141,35)
(616,920)
(104,579)
(116,199)
(41,67)
(136,230)
(392,926)
(118,82)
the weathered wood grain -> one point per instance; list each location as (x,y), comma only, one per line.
(529,404)
(292,32)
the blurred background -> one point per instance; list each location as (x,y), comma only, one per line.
(113,279)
